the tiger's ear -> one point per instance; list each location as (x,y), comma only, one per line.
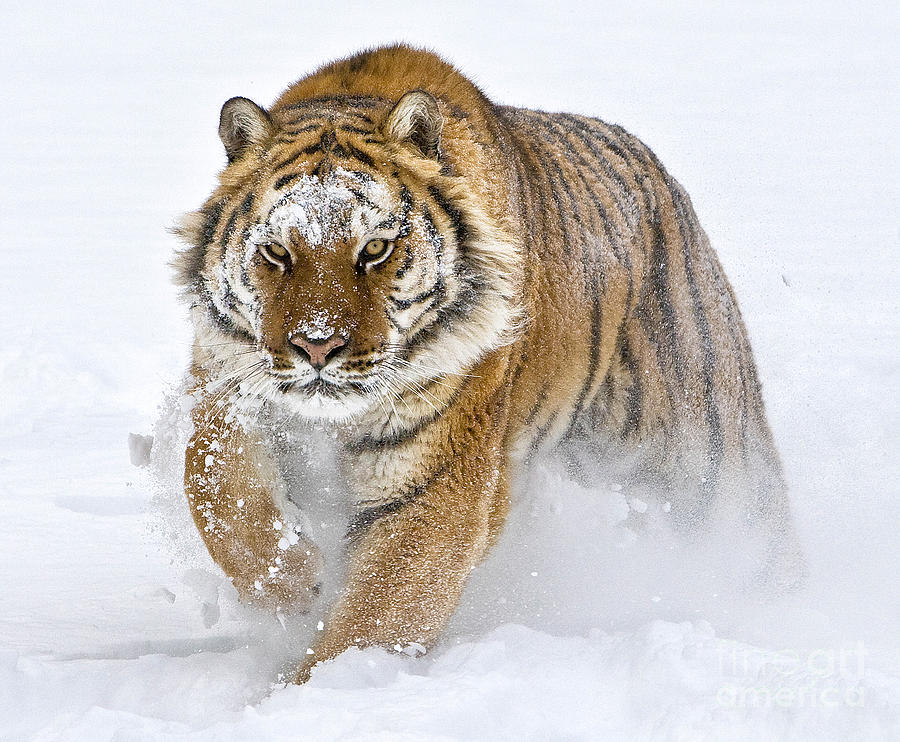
(243,124)
(416,119)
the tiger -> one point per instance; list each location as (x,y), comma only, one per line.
(458,289)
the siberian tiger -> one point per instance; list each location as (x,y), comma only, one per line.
(459,287)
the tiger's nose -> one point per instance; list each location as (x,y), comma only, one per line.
(318,350)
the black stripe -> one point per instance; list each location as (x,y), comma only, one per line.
(365,519)
(590,137)
(354,129)
(667,351)
(453,215)
(227,327)
(407,262)
(245,277)
(393,322)
(405,227)
(360,155)
(593,357)
(229,298)
(329,141)
(363,198)
(592,272)
(436,291)
(222,322)
(313,148)
(546,157)
(539,402)
(369,443)
(212,214)
(459,309)
(542,432)
(740,350)
(285,179)
(228,230)
(668,348)
(715,441)
(406,201)
(658,277)
(194,257)
(360,175)
(288,161)
(634,402)
(303,129)
(387,223)
(521,364)
(626,208)
(592,275)
(524,187)
(435,238)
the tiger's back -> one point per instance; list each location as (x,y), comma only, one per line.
(651,374)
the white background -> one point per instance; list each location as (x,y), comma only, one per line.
(780,119)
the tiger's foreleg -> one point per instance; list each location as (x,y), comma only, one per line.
(409,559)
(235,497)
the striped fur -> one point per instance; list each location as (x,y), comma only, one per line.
(550,291)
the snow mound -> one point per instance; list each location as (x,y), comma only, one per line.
(664,680)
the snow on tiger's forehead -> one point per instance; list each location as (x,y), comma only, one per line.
(344,205)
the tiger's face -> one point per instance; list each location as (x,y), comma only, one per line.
(337,278)
(338,273)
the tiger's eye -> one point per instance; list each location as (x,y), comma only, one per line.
(276,254)
(374,253)
(375,248)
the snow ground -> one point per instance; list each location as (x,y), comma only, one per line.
(780,118)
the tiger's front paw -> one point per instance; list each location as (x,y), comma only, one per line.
(288,582)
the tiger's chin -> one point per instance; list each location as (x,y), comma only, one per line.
(320,400)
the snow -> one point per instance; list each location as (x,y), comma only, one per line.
(322,210)
(778,117)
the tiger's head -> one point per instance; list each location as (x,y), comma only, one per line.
(344,257)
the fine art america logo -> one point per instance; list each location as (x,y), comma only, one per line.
(820,678)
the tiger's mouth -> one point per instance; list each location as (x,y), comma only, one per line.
(317,386)
(323,387)
(323,399)
(320,395)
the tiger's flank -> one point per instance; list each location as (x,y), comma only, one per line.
(460,289)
